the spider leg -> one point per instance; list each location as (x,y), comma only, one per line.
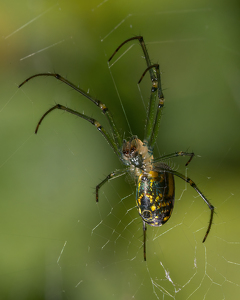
(112,175)
(192,184)
(91,120)
(175,154)
(155,107)
(102,106)
(144,240)
(144,48)
(154,113)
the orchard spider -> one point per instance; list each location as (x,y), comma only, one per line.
(154,178)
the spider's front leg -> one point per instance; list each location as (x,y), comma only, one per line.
(85,117)
(114,142)
(155,106)
(156,101)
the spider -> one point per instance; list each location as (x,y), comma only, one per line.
(155,188)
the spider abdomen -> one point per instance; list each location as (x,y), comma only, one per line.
(155,197)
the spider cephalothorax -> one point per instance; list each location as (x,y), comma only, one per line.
(136,153)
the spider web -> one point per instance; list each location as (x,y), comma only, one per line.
(57,243)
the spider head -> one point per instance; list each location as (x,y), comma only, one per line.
(134,152)
(131,152)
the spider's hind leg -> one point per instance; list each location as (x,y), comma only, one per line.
(193,185)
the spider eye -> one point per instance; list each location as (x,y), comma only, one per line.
(125,148)
(133,149)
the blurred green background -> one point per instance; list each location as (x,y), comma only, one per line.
(56,242)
